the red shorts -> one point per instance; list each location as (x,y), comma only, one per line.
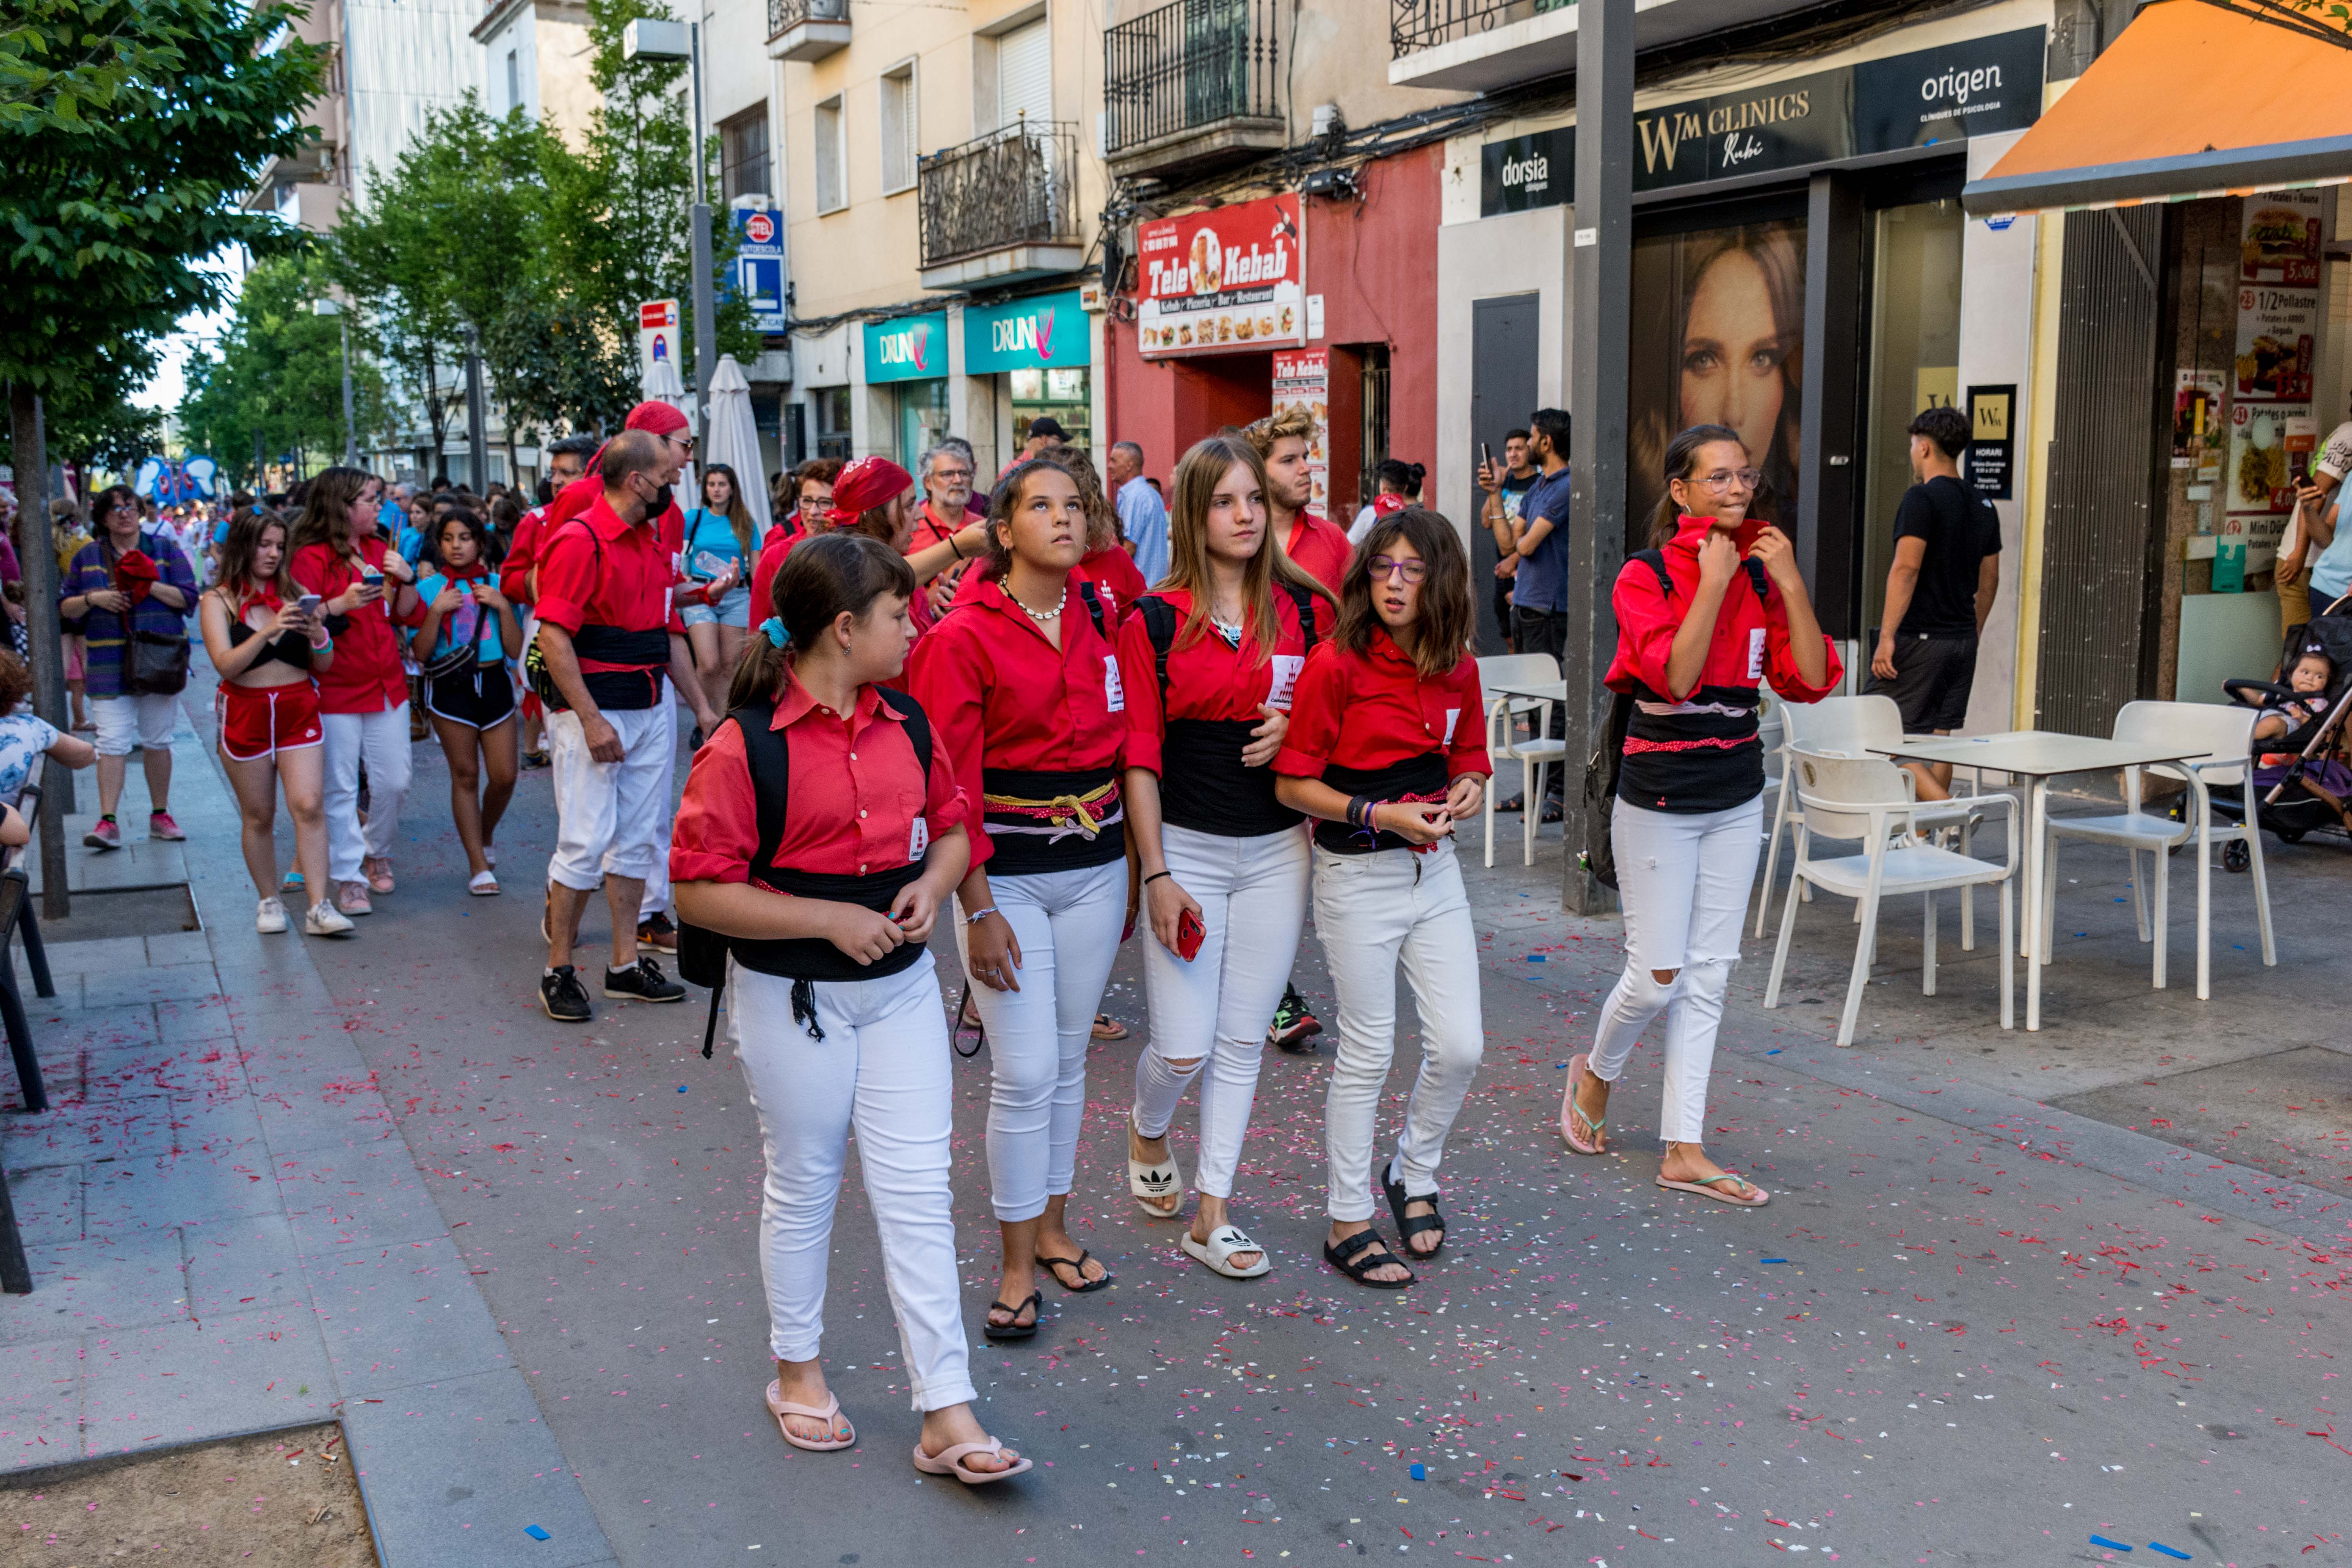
(263,720)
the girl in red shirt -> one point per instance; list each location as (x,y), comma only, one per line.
(1024,689)
(340,555)
(1690,803)
(1387,751)
(820,834)
(1209,662)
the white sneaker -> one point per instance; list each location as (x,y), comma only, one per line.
(270,919)
(325,919)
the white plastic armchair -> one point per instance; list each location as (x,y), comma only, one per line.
(1537,752)
(1869,799)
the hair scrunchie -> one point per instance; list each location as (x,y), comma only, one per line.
(772,629)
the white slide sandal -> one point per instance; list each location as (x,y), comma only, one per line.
(1148,1179)
(1217,1252)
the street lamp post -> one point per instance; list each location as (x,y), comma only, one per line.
(477,437)
(646,38)
(350,426)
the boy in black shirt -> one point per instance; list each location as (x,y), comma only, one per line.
(1938,591)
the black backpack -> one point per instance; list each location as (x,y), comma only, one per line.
(1600,855)
(702,953)
(1159,624)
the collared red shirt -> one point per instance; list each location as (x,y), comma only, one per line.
(1000,696)
(1208,677)
(779,548)
(522,554)
(854,798)
(367,675)
(1320,548)
(599,571)
(1110,569)
(1373,710)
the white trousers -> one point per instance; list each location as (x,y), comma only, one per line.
(145,720)
(381,741)
(1213,1010)
(611,818)
(656,899)
(1685,881)
(1068,923)
(883,1070)
(1376,914)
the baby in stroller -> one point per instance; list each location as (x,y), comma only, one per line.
(2299,769)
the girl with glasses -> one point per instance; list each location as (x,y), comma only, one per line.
(1387,751)
(1712,608)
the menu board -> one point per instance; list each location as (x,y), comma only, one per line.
(1226,281)
(1302,379)
(2272,430)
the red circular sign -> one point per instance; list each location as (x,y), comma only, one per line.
(760,228)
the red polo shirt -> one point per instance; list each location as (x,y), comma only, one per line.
(367,675)
(522,553)
(1320,548)
(1000,696)
(1208,677)
(930,530)
(1372,709)
(855,795)
(599,572)
(1118,583)
(772,555)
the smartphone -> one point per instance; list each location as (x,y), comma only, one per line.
(1189,934)
(310,603)
(1485,457)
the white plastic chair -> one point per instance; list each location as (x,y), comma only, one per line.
(1869,798)
(2227,735)
(1536,754)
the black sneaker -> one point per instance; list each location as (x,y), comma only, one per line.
(656,931)
(565,999)
(643,981)
(1293,1024)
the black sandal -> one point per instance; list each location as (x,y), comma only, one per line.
(1078,1263)
(1349,1258)
(1407,1229)
(1016,1330)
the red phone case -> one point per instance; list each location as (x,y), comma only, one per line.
(1189,934)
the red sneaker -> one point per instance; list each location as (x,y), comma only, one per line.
(103,834)
(160,825)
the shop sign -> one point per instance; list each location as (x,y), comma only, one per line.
(1971,87)
(1044,331)
(1520,174)
(907,348)
(1229,279)
(1991,459)
(760,266)
(2274,431)
(1302,380)
(658,341)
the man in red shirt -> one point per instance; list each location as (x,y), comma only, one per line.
(609,638)
(567,459)
(946,474)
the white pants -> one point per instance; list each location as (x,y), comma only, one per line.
(656,899)
(884,1070)
(1685,881)
(146,719)
(611,818)
(1253,898)
(1378,914)
(1068,923)
(381,741)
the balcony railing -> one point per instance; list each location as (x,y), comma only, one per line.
(1416,25)
(807,29)
(785,14)
(1009,188)
(1190,66)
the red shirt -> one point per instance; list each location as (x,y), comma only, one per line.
(522,553)
(1373,710)
(1000,696)
(539,527)
(1320,548)
(775,550)
(931,530)
(599,572)
(855,796)
(367,675)
(1208,677)
(1118,583)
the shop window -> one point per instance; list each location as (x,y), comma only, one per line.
(743,155)
(1062,392)
(898,132)
(831,179)
(1376,421)
(922,418)
(1914,364)
(833,422)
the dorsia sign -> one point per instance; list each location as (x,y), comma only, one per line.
(1520,174)
(1228,280)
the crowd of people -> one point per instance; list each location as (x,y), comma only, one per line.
(1071,712)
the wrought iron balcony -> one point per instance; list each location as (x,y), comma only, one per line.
(1416,25)
(806,29)
(1192,84)
(1000,207)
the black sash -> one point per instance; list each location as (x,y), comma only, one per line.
(1205,787)
(622,690)
(814,958)
(1028,844)
(1424,774)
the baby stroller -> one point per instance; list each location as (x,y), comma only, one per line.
(2290,767)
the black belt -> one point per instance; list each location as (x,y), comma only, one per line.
(814,958)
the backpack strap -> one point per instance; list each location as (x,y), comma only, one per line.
(1655,559)
(918,725)
(1159,625)
(1094,608)
(769,759)
(1305,599)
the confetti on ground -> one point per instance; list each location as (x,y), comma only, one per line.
(2111,1545)
(536,1534)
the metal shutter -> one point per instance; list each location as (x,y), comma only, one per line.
(1025,78)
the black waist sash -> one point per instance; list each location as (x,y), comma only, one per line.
(1050,834)
(647,651)
(1422,775)
(814,958)
(1205,787)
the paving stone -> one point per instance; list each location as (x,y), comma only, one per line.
(173,983)
(237,1264)
(179,1382)
(40,1404)
(48,1201)
(99,1286)
(403,1315)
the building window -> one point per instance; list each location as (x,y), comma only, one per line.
(743,155)
(832,183)
(898,129)
(1024,76)
(514,80)
(832,414)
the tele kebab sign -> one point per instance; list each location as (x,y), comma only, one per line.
(1229,280)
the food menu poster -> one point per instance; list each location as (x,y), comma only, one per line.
(2197,437)
(1302,380)
(2272,430)
(1226,280)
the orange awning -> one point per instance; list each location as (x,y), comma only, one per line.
(2193,99)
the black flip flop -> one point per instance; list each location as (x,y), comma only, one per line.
(1085,1285)
(1407,1229)
(1016,1330)
(1349,1258)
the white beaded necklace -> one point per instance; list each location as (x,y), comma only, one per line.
(1042,616)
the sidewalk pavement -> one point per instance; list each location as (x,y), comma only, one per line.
(2143,1327)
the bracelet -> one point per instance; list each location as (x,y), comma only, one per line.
(973,920)
(1156,875)
(951,548)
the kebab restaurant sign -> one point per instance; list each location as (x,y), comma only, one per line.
(1223,280)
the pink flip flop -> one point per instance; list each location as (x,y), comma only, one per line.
(1569,1116)
(1705,1187)
(950,1462)
(780,1407)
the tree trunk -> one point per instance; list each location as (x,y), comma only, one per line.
(44,642)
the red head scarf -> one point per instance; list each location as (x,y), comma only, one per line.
(865,484)
(653,417)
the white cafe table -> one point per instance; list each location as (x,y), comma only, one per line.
(2037,756)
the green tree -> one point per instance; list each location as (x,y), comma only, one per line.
(92,422)
(277,372)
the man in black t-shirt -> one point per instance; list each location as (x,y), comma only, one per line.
(1938,591)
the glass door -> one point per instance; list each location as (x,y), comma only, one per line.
(1914,364)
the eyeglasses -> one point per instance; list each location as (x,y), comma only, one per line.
(952,475)
(817,503)
(683,442)
(1384,567)
(1724,478)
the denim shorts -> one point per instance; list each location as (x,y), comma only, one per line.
(733,609)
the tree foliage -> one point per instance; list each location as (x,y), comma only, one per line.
(277,372)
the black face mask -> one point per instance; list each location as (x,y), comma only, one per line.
(660,503)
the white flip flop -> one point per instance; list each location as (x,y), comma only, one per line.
(1218,1250)
(1156,1179)
(483,885)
